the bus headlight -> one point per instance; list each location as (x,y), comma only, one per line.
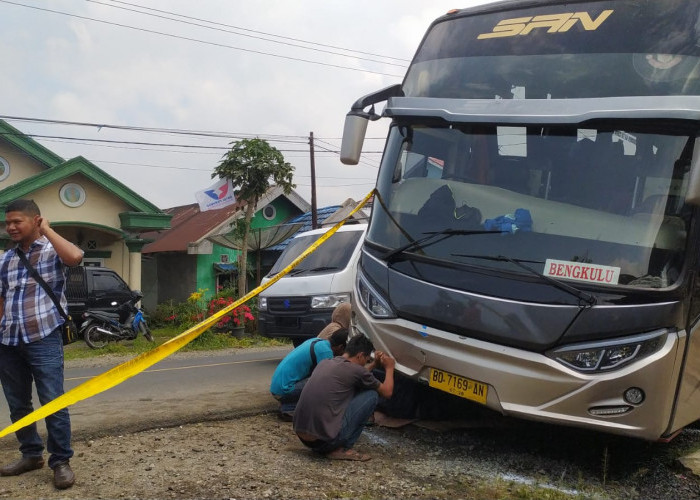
(329,301)
(609,354)
(375,304)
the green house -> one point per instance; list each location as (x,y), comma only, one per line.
(185,259)
(84,204)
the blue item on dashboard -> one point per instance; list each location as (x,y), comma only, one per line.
(521,220)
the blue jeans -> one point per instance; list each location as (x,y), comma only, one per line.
(356,416)
(41,362)
(288,401)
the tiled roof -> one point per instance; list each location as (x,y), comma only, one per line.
(187,225)
(190,226)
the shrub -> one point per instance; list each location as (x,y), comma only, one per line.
(165,314)
(236,317)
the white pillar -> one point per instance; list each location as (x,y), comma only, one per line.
(135,270)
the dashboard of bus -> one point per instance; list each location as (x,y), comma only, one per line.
(602,205)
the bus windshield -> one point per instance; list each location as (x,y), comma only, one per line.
(562,50)
(602,204)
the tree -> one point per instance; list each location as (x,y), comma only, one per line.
(253,166)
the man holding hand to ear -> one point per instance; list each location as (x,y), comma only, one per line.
(31,343)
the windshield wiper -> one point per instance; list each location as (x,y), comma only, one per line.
(581,295)
(321,268)
(297,271)
(421,242)
(290,273)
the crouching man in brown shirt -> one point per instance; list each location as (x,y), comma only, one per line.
(340,397)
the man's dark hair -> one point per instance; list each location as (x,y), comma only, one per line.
(357,344)
(339,337)
(27,207)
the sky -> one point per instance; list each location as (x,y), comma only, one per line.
(201,75)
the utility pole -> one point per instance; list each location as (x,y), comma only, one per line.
(314,220)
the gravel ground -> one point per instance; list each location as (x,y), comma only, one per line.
(259,457)
(477,454)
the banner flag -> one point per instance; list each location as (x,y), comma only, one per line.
(218,195)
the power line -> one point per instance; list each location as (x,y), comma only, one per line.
(262,32)
(285,43)
(330,149)
(295,139)
(206,170)
(190,39)
(126,146)
(98,126)
(291,139)
(110,141)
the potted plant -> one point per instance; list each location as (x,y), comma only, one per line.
(234,321)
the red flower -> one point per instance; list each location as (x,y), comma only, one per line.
(238,315)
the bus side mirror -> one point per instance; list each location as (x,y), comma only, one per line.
(353,138)
(692,196)
(356,123)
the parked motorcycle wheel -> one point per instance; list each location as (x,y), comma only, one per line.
(94,338)
(143,328)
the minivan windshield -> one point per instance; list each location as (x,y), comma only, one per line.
(603,204)
(334,254)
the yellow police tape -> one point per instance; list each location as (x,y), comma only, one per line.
(120,373)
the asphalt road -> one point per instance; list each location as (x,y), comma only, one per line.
(186,387)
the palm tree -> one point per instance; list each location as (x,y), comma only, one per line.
(253,166)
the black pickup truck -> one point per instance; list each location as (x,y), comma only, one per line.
(94,288)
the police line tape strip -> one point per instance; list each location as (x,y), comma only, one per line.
(124,371)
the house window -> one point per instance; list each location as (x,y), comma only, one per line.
(225,281)
(72,195)
(223,258)
(269,212)
(4,169)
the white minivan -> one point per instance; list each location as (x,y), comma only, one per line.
(300,304)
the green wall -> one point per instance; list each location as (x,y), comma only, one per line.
(206,276)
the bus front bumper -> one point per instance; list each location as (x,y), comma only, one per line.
(533,386)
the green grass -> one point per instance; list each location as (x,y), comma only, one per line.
(208,341)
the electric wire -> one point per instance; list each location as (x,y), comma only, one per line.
(174,131)
(196,40)
(261,32)
(285,43)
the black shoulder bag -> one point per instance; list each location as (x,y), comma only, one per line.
(314,362)
(69,330)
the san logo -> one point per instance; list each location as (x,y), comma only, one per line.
(555,23)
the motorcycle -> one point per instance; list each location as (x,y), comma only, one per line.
(101,327)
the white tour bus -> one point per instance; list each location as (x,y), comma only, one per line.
(534,244)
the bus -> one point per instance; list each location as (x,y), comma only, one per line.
(534,240)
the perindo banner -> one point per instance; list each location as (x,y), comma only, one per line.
(218,195)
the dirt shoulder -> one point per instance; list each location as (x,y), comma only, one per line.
(258,457)
(251,454)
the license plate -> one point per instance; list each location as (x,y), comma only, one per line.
(459,386)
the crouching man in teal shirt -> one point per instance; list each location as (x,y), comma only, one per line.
(295,369)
